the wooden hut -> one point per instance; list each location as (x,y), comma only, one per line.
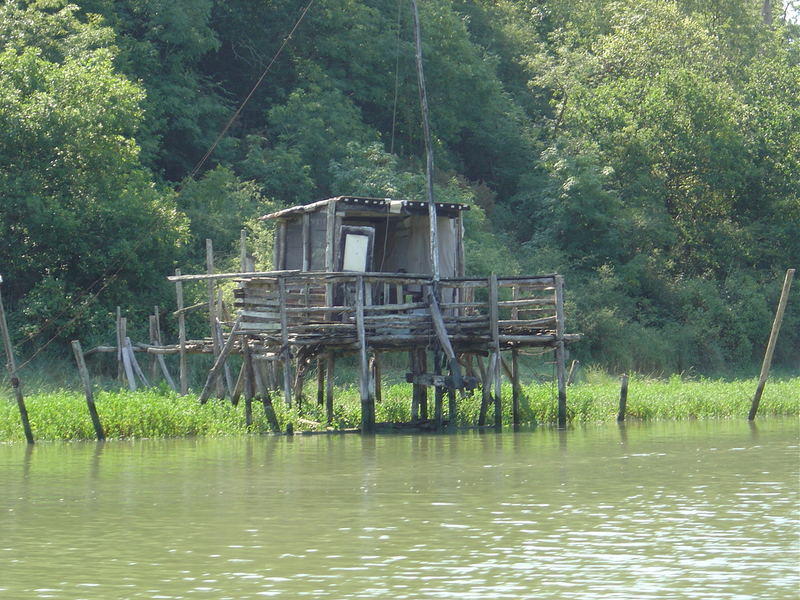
(353,275)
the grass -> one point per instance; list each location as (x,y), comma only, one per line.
(61,414)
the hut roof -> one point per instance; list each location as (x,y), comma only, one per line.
(354,204)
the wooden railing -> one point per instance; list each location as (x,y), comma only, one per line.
(306,308)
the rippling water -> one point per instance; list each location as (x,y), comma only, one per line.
(688,510)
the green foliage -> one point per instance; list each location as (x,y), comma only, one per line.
(159,413)
(646,149)
(78,210)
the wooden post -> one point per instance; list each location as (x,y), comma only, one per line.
(486,392)
(330,233)
(135,363)
(494,319)
(452,408)
(573,369)
(423,101)
(184,376)
(283,228)
(249,383)
(216,345)
(320,382)
(11,365)
(306,241)
(560,358)
(413,367)
(120,344)
(515,387)
(151,321)
(127,363)
(243,262)
(287,362)
(623,398)
(375,368)
(87,387)
(330,364)
(438,392)
(299,379)
(773,338)
(221,340)
(367,401)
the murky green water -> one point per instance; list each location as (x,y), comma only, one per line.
(678,510)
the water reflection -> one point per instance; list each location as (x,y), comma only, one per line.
(691,510)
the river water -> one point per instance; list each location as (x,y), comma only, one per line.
(667,510)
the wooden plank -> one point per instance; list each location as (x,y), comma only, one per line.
(87,388)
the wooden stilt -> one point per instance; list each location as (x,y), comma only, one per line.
(120,346)
(216,343)
(87,387)
(623,398)
(286,355)
(320,381)
(299,379)
(438,394)
(375,368)
(773,338)
(269,412)
(560,358)
(452,408)
(330,364)
(413,367)
(496,358)
(367,401)
(11,365)
(249,383)
(184,375)
(486,392)
(516,392)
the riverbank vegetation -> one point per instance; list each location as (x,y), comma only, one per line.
(647,150)
(159,413)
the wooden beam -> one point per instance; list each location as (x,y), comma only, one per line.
(219,363)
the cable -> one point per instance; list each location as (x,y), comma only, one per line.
(213,147)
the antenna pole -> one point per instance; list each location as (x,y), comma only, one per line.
(423,101)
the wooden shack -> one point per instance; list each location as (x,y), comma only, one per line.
(353,275)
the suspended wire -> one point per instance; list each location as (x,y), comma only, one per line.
(225,129)
(396,76)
